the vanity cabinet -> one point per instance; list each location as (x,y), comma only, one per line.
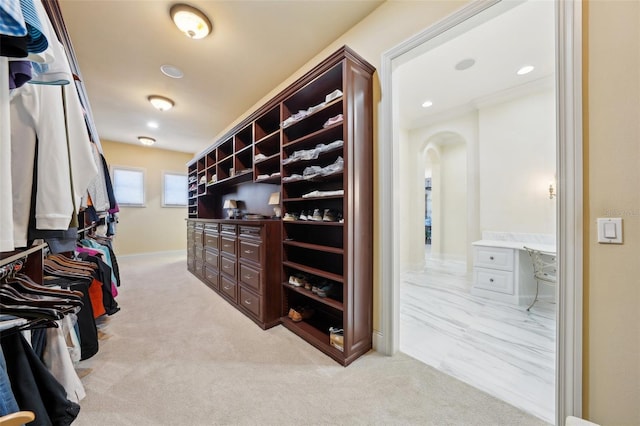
(240,260)
(503,271)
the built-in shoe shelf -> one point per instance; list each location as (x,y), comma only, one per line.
(313,142)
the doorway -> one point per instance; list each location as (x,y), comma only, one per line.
(568,148)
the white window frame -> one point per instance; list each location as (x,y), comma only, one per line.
(166,174)
(114,178)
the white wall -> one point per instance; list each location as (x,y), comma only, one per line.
(453,172)
(496,165)
(517,161)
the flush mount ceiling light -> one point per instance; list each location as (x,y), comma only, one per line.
(146,140)
(171,71)
(465,64)
(152,125)
(161,103)
(192,22)
(525,70)
(427,104)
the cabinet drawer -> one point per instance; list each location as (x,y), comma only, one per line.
(250,302)
(228,266)
(227,229)
(199,226)
(228,287)
(211,258)
(211,240)
(228,245)
(250,232)
(493,279)
(210,227)
(250,250)
(493,257)
(211,276)
(198,265)
(250,277)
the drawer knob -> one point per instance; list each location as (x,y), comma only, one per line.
(490,280)
(227,245)
(248,277)
(248,251)
(490,257)
(226,266)
(248,302)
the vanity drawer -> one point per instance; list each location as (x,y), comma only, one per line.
(211,276)
(211,227)
(198,238)
(211,258)
(493,279)
(227,229)
(228,266)
(211,240)
(199,255)
(250,232)
(228,245)
(250,277)
(493,257)
(228,287)
(250,302)
(250,250)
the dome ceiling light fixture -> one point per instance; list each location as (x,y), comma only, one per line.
(191,21)
(146,140)
(161,103)
(427,104)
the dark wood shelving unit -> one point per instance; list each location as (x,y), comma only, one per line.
(336,255)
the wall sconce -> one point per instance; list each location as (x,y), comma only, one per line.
(161,103)
(191,21)
(146,140)
(231,207)
(274,200)
(552,193)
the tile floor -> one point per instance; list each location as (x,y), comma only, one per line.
(498,348)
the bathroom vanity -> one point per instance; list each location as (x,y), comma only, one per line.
(502,268)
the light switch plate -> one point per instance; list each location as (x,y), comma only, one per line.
(610,230)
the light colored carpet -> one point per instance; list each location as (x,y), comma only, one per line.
(178,354)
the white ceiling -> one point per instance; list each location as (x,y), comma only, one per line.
(500,40)
(255,45)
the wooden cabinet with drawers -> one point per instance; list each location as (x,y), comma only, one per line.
(241,261)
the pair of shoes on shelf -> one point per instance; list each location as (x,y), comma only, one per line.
(326,289)
(298,280)
(290,217)
(300,313)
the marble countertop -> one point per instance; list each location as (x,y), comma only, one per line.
(548,248)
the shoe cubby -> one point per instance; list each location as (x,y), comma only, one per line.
(313,143)
(267,125)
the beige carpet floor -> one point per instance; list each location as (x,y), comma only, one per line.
(178,354)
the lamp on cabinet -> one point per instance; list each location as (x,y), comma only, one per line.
(231,207)
(274,200)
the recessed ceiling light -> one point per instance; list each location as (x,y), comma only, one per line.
(465,64)
(171,71)
(161,103)
(152,125)
(525,70)
(146,140)
(191,21)
(427,104)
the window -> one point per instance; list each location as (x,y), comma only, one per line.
(174,189)
(128,186)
